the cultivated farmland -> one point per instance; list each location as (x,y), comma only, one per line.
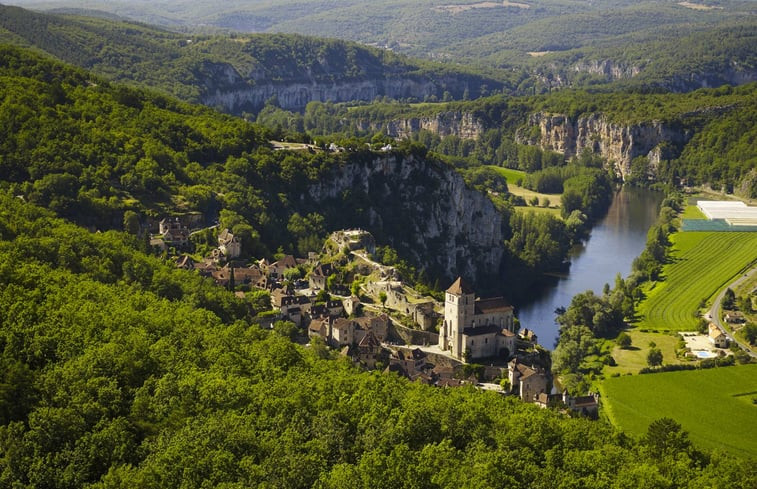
(702,263)
(715,406)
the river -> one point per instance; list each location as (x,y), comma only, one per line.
(614,243)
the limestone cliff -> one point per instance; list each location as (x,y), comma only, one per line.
(617,143)
(461,124)
(422,208)
(224,87)
(295,95)
(609,69)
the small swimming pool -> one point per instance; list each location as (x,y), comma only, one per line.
(704,354)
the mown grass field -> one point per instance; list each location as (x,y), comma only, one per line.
(633,359)
(715,406)
(702,263)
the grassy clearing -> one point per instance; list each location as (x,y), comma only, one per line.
(692,212)
(635,358)
(555,211)
(714,406)
(511,175)
(554,199)
(702,263)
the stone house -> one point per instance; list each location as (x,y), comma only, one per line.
(369,351)
(476,328)
(337,331)
(411,364)
(168,224)
(230,245)
(735,317)
(319,276)
(252,276)
(178,238)
(527,381)
(332,308)
(717,337)
(351,304)
(277,268)
(583,405)
(379,325)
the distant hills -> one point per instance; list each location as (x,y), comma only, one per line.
(238,73)
(527,47)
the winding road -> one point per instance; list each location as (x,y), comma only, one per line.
(714,312)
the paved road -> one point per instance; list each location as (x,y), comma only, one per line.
(714,312)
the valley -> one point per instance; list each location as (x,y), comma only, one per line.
(235,255)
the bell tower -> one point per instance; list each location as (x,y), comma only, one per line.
(459,306)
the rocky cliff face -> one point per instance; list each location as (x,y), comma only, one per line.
(607,68)
(225,88)
(424,209)
(463,125)
(617,143)
(735,75)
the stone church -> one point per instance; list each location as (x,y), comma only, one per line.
(476,328)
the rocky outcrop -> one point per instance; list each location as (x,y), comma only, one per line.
(607,68)
(454,123)
(423,209)
(617,143)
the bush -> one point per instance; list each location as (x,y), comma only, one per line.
(623,340)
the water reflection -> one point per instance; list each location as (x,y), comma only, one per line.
(614,243)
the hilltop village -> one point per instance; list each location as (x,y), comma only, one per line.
(344,299)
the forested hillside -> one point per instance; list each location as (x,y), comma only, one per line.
(542,44)
(121,371)
(237,73)
(92,151)
(703,137)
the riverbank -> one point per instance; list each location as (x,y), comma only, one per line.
(616,240)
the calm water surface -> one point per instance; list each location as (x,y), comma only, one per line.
(614,243)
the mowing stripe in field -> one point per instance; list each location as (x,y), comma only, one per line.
(715,405)
(701,264)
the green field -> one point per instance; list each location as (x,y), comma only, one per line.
(715,406)
(702,263)
(513,176)
(555,211)
(692,212)
(633,359)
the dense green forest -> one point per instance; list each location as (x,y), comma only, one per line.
(122,371)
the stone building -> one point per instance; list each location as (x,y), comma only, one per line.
(230,245)
(476,328)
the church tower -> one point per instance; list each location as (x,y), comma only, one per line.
(459,307)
